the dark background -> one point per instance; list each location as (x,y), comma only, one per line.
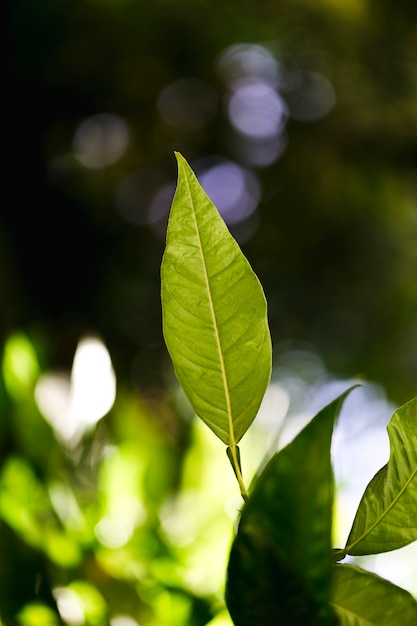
(335,246)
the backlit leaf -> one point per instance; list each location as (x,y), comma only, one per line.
(214,314)
(360,598)
(386,518)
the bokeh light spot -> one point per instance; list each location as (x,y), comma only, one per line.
(93,382)
(254,106)
(274,407)
(243,60)
(80,603)
(114,531)
(256,110)
(69,605)
(73,405)
(100,140)
(233,189)
(123,620)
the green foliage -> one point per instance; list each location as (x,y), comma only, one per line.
(20,366)
(284,532)
(280,569)
(214,315)
(386,517)
(361,598)
(87,533)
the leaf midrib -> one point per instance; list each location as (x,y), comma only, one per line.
(232,442)
(343,609)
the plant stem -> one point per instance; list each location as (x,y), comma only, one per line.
(234,458)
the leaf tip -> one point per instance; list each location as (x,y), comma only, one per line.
(179,157)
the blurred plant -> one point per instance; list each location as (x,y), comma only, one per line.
(280,569)
(89,521)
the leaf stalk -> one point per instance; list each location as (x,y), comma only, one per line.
(233,454)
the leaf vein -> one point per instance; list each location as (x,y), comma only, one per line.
(232,442)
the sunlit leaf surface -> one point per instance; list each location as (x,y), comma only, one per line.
(279,570)
(361,598)
(214,314)
(386,518)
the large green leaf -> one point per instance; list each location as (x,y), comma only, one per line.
(214,314)
(360,598)
(386,518)
(280,567)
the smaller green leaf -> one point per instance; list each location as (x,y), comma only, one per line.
(280,563)
(386,518)
(360,598)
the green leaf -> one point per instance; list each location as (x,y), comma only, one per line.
(214,314)
(280,563)
(360,598)
(386,518)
